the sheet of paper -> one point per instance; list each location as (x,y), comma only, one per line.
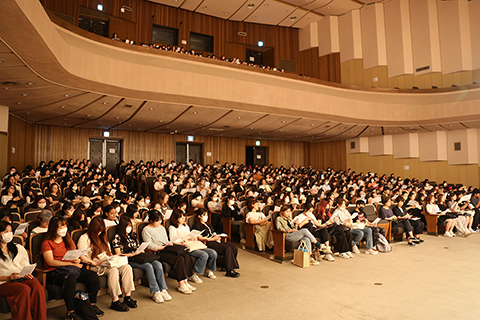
(192,190)
(255,194)
(27,270)
(465,198)
(415,218)
(194,234)
(143,246)
(74,254)
(277,208)
(223,235)
(168,214)
(376,221)
(21,228)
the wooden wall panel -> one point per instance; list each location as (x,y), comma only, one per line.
(328,154)
(21,137)
(137,26)
(433,170)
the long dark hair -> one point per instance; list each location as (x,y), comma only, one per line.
(122,231)
(99,243)
(176,215)
(154,216)
(12,247)
(51,233)
(198,215)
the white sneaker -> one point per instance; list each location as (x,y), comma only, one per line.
(453,234)
(329,257)
(371,251)
(471,230)
(195,278)
(467,233)
(344,255)
(243,241)
(165,295)
(210,274)
(355,249)
(314,262)
(447,234)
(157,297)
(184,289)
(349,254)
(192,288)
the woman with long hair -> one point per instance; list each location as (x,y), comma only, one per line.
(26,295)
(55,245)
(96,240)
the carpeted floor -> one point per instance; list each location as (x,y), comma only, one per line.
(435,280)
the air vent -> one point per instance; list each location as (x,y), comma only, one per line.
(422,68)
(215,129)
(242,33)
(128,106)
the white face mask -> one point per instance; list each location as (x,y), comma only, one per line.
(141,204)
(205,218)
(147,201)
(118,209)
(215,199)
(129,230)
(42,205)
(62,232)
(7,237)
(231,202)
(74,188)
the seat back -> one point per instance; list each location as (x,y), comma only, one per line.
(111,232)
(275,215)
(15,216)
(140,227)
(191,221)
(167,224)
(36,241)
(370,212)
(31,215)
(76,234)
(296,213)
(267,209)
(18,240)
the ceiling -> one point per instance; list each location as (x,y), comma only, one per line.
(286,13)
(39,101)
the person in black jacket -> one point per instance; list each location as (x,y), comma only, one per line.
(231,210)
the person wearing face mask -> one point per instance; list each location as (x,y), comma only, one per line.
(67,210)
(172,254)
(110,216)
(214,206)
(25,296)
(55,245)
(86,204)
(285,223)
(96,240)
(39,204)
(231,210)
(213,241)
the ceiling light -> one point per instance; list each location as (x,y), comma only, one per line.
(204,7)
(286,11)
(105,102)
(117,118)
(9,83)
(160,121)
(25,94)
(239,118)
(293,18)
(19,103)
(152,108)
(195,112)
(89,115)
(372,129)
(283,121)
(66,95)
(254,17)
(251,128)
(30,83)
(313,124)
(250,5)
(63,107)
(199,123)
(281,130)
(27,113)
(99,7)
(226,13)
(266,5)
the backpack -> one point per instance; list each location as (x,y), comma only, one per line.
(83,308)
(382,244)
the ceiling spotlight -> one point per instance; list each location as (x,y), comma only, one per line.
(117,118)
(27,113)
(19,103)
(204,7)
(283,121)
(67,95)
(30,83)
(313,124)
(199,123)
(195,112)
(63,107)
(226,13)
(152,108)
(105,102)
(25,94)
(250,5)
(286,11)
(251,128)
(160,121)
(266,5)
(293,18)
(239,118)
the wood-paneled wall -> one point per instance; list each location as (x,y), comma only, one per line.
(21,136)
(433,170)
(328,154)
(137,25)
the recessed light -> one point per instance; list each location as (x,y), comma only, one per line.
(251,128)
(266,5)
(25,94)
(372,129)
(329,8)
(313,124)
(283,121)
(66,95)
(254,17)
(281,130)
(199,123)
(27,113)
(63,107)
(195,112)
(450,125)
(89,115)
(204,7)
(151,108)
(250,5)
(342,128)
(239,118)
(160,120)
(99,7)
(226,13)
(30,83)
(105,102)
(117,118)
(19,103)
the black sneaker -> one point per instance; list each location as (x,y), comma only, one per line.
(132,304)
(420,240)
(411,244)
(97,310)
(73,316)
(232,274)
(118,306)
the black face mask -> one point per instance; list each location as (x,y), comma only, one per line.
(83,223)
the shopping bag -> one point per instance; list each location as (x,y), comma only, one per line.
(301,256)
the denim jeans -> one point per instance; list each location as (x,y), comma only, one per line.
(155,276)
(302,234)
(205,258)
(358,235)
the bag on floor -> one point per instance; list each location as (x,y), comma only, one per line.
(301,256)
(382,244)
(83,308)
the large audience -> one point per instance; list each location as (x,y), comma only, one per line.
(172,215)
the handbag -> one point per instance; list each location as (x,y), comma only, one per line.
(115,262)
(145,257)
(301,256)
(194,245)
(65,271)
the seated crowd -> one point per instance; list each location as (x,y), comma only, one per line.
(148,216)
